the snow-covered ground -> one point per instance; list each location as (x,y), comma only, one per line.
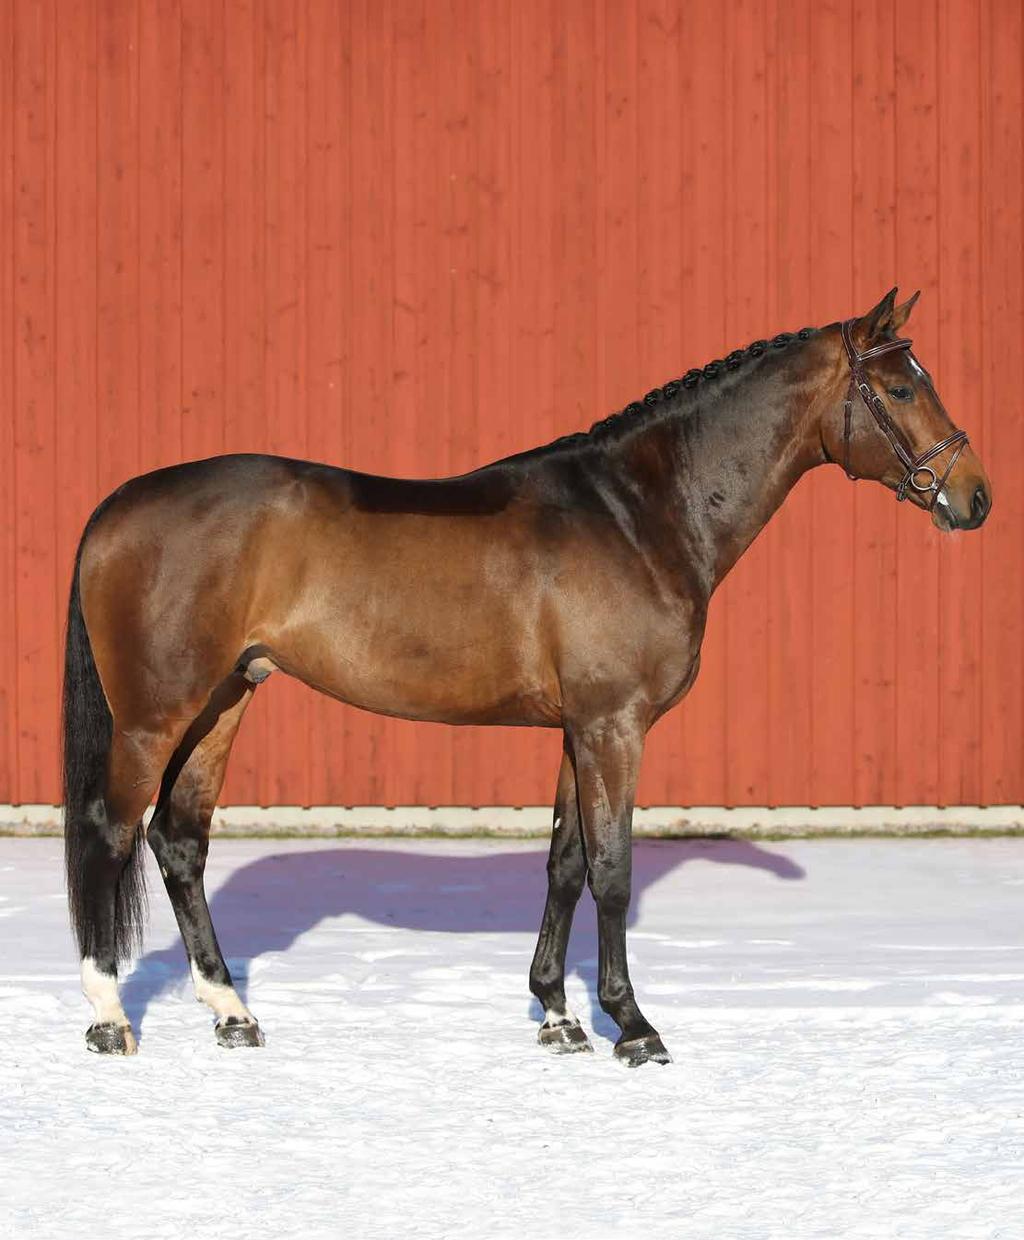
(845,1018)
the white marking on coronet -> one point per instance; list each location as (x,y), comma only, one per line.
(565,1017)
(222,999)
(101,991)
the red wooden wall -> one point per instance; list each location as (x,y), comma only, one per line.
(414,235)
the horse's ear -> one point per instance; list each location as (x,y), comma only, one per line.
(870,328)
(902,313)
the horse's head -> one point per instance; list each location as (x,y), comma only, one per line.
(891,425)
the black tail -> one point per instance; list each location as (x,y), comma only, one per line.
(88,728)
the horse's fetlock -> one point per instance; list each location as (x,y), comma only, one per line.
(545,985)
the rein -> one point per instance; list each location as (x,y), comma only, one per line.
(917,467)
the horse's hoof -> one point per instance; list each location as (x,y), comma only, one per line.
(234,1032)
(648,1049)
(111,1039)
(568,1039)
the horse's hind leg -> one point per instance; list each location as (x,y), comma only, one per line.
(110,891)
(561,1031)
(179,836)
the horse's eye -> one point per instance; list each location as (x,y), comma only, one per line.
(901,393)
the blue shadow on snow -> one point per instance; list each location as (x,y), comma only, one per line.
(266,905)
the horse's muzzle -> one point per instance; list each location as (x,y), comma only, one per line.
(949,516)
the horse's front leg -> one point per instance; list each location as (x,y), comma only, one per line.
(607,753)
(567,869)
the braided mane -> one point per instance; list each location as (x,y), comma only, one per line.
(626,417)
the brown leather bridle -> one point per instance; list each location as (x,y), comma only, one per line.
(915,466)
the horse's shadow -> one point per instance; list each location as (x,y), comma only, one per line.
(266,905)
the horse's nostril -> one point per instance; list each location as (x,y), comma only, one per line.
(979,505)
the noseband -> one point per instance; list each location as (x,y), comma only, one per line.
(919,476)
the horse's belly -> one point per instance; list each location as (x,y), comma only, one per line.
(425,617)
(467,671)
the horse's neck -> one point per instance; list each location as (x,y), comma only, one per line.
(734,459)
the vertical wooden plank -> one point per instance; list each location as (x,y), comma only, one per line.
(160,240)
(578,165)
(914,780)
(659,207)
(873,157)
(1001,441)
(117,238)
(611,354)
(371,176)
(797,303)
(745,278)
(497,194)
(286,206)
(9,785)
(244,180)
(457,24)
(74,452)
(657,202)
(415,394)
(703,226)
(202,228)
(35,351)
(958,377)
(829,131)
(245,417)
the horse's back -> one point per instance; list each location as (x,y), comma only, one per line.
(249,482)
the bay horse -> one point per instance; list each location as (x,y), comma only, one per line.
(564,587)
